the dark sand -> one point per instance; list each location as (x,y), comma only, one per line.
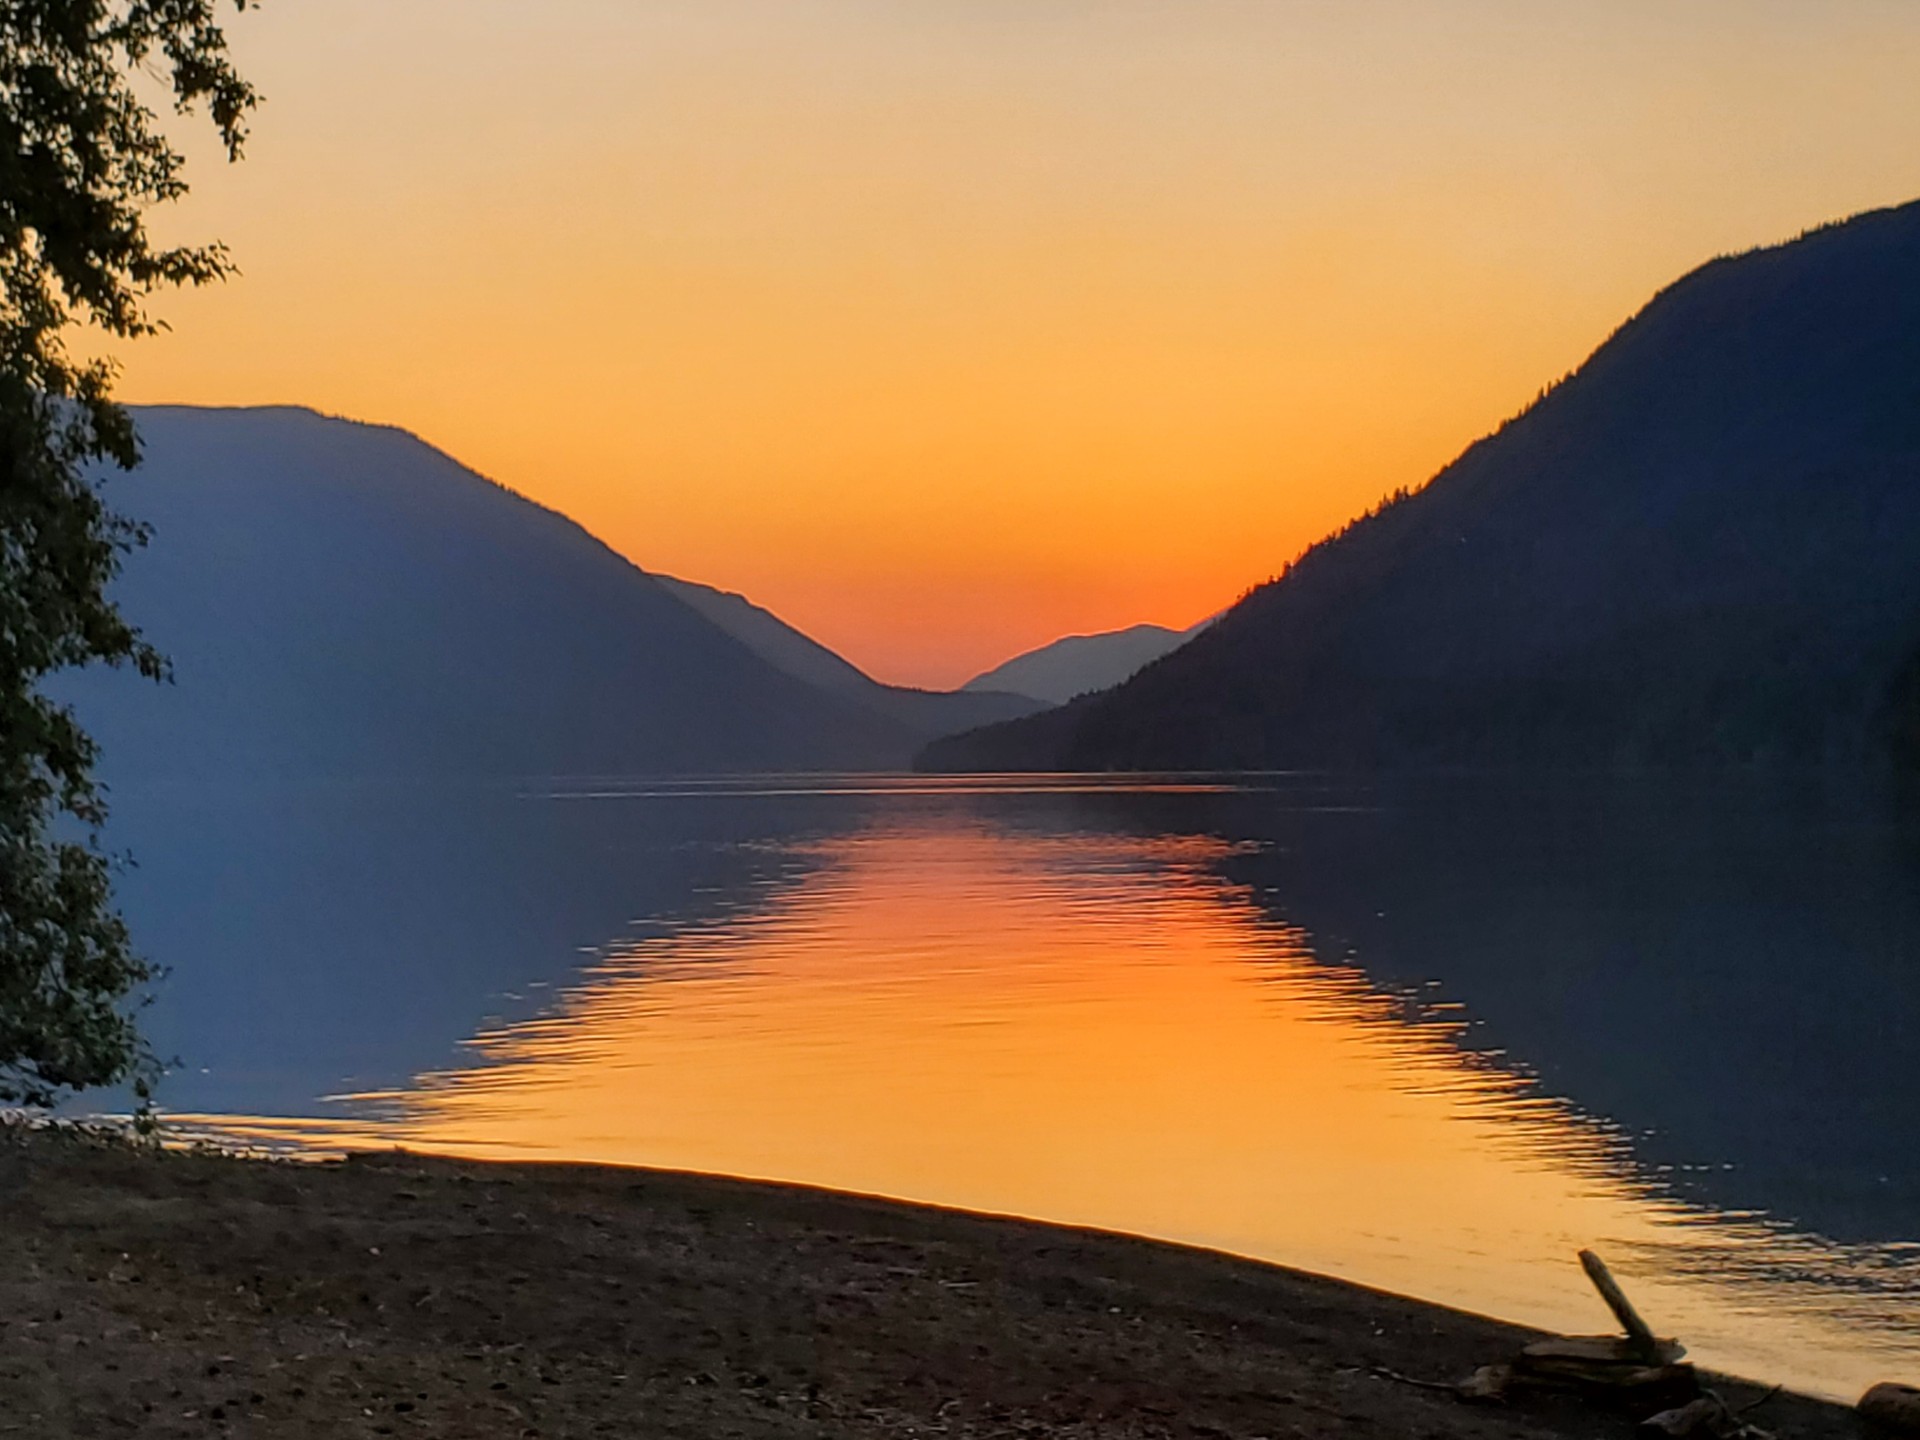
(200,1295)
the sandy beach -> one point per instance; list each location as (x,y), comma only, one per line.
(194,1294)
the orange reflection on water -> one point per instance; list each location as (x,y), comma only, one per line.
(1098,1030)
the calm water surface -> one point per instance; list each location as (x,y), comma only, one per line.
(1434,1040)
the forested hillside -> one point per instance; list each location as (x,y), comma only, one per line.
(1701,548)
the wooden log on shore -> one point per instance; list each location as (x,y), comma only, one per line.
(1638,1370)
(1639,1334)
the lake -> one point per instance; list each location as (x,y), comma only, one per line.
(1434,1036)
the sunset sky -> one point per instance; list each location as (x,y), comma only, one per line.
(945,327)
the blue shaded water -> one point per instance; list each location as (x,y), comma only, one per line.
(1490,1022)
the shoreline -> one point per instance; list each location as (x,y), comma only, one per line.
(191,1293)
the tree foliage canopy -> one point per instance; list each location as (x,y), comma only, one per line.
(83,158)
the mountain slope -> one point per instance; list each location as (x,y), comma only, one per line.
(1703,547)
(927,713)
(342,599)
(770,637)
(1080,664)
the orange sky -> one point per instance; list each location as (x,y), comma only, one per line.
(944,327)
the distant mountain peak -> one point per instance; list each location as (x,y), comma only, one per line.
(1079,664)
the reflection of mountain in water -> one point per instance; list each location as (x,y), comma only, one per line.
(332,937)
(1731,977)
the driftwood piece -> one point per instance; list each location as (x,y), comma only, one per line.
(1892,1407)
(1414,1380)
(1600,1351)
(1639,1334)
(1638,1371)
(1707,1416)
(1486,1386)
(1674,1383)
(1610,1368)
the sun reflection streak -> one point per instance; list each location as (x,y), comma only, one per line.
(1098,1029)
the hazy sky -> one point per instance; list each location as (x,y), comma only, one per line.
(944,327)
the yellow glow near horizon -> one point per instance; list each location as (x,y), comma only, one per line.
(943,329)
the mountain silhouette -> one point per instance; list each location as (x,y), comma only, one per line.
(927,713)
(1080,664)
(341,599)
(1703,547)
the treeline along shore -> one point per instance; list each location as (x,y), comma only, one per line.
(182,1293)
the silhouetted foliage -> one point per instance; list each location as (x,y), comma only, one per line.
(1702,548)
(82,159)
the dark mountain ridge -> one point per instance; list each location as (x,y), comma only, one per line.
(1703,547)
(341,599)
